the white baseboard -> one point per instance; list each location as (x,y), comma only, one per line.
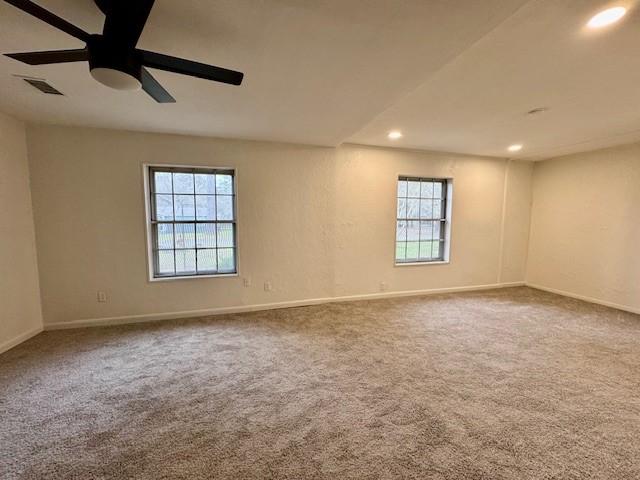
(150,317)
(9,344)
(584,298)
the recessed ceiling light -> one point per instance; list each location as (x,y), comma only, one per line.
(515,148)
(394,135)
(607,17)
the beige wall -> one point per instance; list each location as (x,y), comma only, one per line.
(585,227)
(20,315)
(365,214)
(316,222)
(517,221)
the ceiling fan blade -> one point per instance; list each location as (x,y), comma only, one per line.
(125,20)
(104,5)
(154,89)
(189,67)
(50,18)
(51,56)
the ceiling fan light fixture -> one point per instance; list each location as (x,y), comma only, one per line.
(116,79)
(119,69)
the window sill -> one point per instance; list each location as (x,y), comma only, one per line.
(415,264)
(191,277)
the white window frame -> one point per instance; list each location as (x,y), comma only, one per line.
(146,168)
(446,259)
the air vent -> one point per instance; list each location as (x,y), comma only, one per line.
(42,85)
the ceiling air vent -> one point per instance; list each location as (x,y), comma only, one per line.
(42,85)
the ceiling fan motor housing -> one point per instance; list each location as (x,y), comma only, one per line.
(113,65)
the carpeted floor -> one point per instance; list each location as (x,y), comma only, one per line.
(507,384)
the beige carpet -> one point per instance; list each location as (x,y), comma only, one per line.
(509,384)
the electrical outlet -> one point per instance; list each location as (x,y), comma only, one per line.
(102,297)
(247,281)
(383,286)
(268,287)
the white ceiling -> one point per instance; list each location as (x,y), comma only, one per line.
(452,75)
(542,56)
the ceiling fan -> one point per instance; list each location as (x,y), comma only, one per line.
(113,57)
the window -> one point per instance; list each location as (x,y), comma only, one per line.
(421,221)
(192,222)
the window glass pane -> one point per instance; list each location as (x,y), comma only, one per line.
(185,235)
(437,209)
(164,232)
(436,229)
(402,188)
(425,249)
(413,208)
(165,262)
(183,183)
(207,260)
(401,250)
(426,230)
(426,208)
(205,207)
(162,182)
(437,190)
(435,247)
(224,184)
(426,190)
(225,235)
(413,188)
(164,207)
(413,230)
(185,261)
(226,259)
(184,207)
(402,208)
(205,235)
(413,250)
(225,207)
(205,183)
(401,231)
